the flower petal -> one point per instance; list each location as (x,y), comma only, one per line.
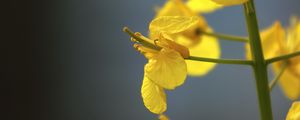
(175,8)
(297,46)
(203,6)
(293,35)
(153,96)
(167,69)
(171,25)
(230,2)
(165,43)
(207,47)
(294,112)
(163,117)
(289,81)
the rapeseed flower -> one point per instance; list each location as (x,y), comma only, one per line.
(166,67)
(197,43)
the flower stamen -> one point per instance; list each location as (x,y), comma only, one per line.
(155,42)
(143,49)
(145,44)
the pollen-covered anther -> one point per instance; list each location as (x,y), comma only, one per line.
(142,49)
(155,42)
(136,46)
(133,39)
(138,34)
(144,39)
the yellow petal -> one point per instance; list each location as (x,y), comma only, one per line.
(171,25)
(294,112)
(178,8)
(207,47)
(293,35)
(289,81)
(297,45)
(163,117)
(203,6)
(175,8)
(230,2)
(272,40)
(165,43)
(167,69)
(153,96)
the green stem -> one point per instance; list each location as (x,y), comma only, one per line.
(226,37)
(275,80)
(222,61)
(283,57)
(259,66)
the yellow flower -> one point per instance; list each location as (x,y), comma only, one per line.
(229,2)
(198,44)
(290,80)
(166,67)
(275,42)
(294,112)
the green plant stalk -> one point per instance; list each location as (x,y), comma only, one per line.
(283,57)
(226,37)
(221,61)
(259,66)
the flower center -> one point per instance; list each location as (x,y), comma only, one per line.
(145,45)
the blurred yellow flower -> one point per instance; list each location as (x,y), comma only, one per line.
(275,42)
(203,6)
(294,112)
(290,80)
(271,40)
(229,2)
(198,44)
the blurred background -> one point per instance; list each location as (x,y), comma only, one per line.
(70,60)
